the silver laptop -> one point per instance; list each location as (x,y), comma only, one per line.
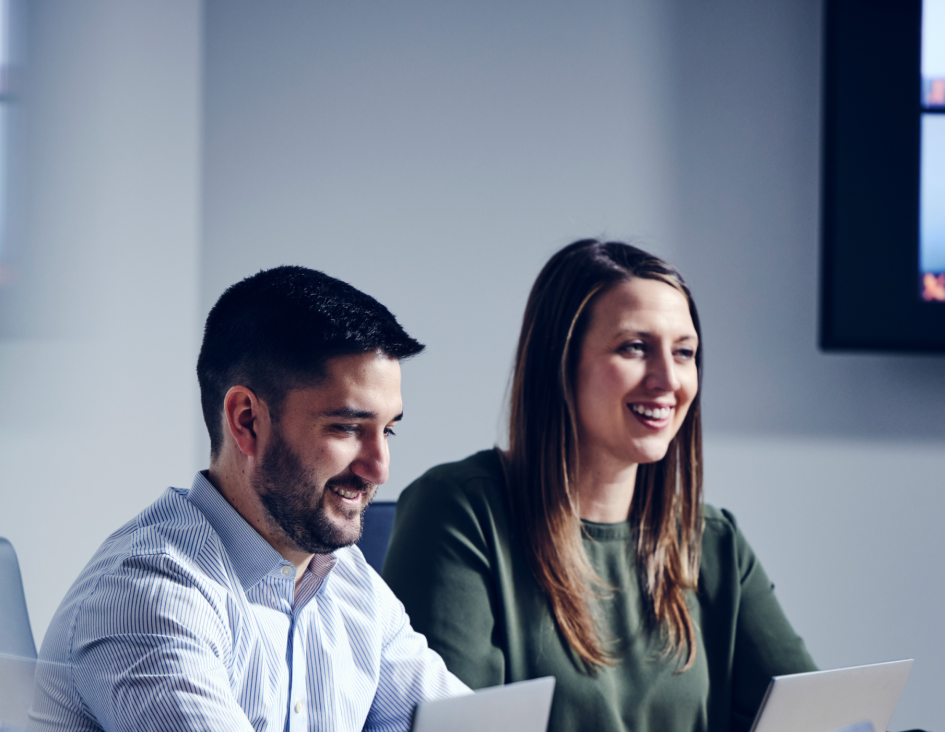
(821,701)
(520,707)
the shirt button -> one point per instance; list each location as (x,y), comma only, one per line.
(287,570)
(298,707)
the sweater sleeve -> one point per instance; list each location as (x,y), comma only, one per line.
(765,643)
(440,564)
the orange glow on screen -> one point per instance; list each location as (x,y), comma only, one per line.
(933,288)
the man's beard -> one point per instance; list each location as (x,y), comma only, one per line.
(295,501)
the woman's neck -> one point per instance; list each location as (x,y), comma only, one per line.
(605,489)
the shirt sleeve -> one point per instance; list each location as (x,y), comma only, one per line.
(410,672)
(765,643)
(150,652)
(440,566)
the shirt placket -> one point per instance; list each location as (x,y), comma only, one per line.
(297,659)
(296,719)
(298,681)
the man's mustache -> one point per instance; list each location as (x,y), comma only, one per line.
(351,483)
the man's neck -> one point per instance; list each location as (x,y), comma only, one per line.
(235,485)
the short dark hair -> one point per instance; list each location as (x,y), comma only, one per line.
(276,330)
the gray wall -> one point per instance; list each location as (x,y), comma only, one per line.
(435,154)
(101,316)
(834,463)
(435,157)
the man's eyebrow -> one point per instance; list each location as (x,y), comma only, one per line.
(351,413)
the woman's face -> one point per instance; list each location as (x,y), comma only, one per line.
(637,376)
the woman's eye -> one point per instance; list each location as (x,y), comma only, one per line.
(389,432)
(633,348)
(685,354)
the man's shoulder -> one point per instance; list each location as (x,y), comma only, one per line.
(169,537)
(171,526)
(164,543)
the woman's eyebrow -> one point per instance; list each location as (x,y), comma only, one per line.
(623,332)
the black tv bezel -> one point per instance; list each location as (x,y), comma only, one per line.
(870,283)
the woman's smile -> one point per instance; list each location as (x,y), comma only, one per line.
(652,414)
(637,374)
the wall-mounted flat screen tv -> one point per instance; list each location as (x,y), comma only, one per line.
(883,206)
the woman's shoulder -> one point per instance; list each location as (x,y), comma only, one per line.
(478,473)
(719,521)
(482,465)
(725,551)
(476,484)
(721,531)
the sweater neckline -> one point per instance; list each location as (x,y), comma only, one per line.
(607,532)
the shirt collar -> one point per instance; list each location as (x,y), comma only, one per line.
(321,565)
(314,577)
(251,555)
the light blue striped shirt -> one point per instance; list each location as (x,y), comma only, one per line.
(187,619)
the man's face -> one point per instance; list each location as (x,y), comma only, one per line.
(328,453)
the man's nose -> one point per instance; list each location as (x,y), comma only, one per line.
(373,461)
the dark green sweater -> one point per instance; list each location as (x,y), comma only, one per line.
(458,565)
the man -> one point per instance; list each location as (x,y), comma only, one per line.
(240,604)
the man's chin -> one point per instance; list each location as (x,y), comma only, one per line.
(334,532)
(347,533)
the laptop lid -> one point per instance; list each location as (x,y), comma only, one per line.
(821,701)
(520,707)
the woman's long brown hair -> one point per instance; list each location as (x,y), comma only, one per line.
(542,460)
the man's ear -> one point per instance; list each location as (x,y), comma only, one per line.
(245,416)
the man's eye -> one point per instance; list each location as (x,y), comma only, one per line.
(348,429)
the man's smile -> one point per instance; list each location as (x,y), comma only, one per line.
(344,493)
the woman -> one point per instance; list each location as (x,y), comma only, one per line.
(584,552)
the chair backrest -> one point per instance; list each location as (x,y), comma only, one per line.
(16,692)
(378,523)
(16,635)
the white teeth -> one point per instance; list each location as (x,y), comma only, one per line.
(658,413)
(345,494)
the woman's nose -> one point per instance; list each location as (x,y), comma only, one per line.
(661,373)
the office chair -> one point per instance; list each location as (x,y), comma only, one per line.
(378,523)
(16,635)
(17,648)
